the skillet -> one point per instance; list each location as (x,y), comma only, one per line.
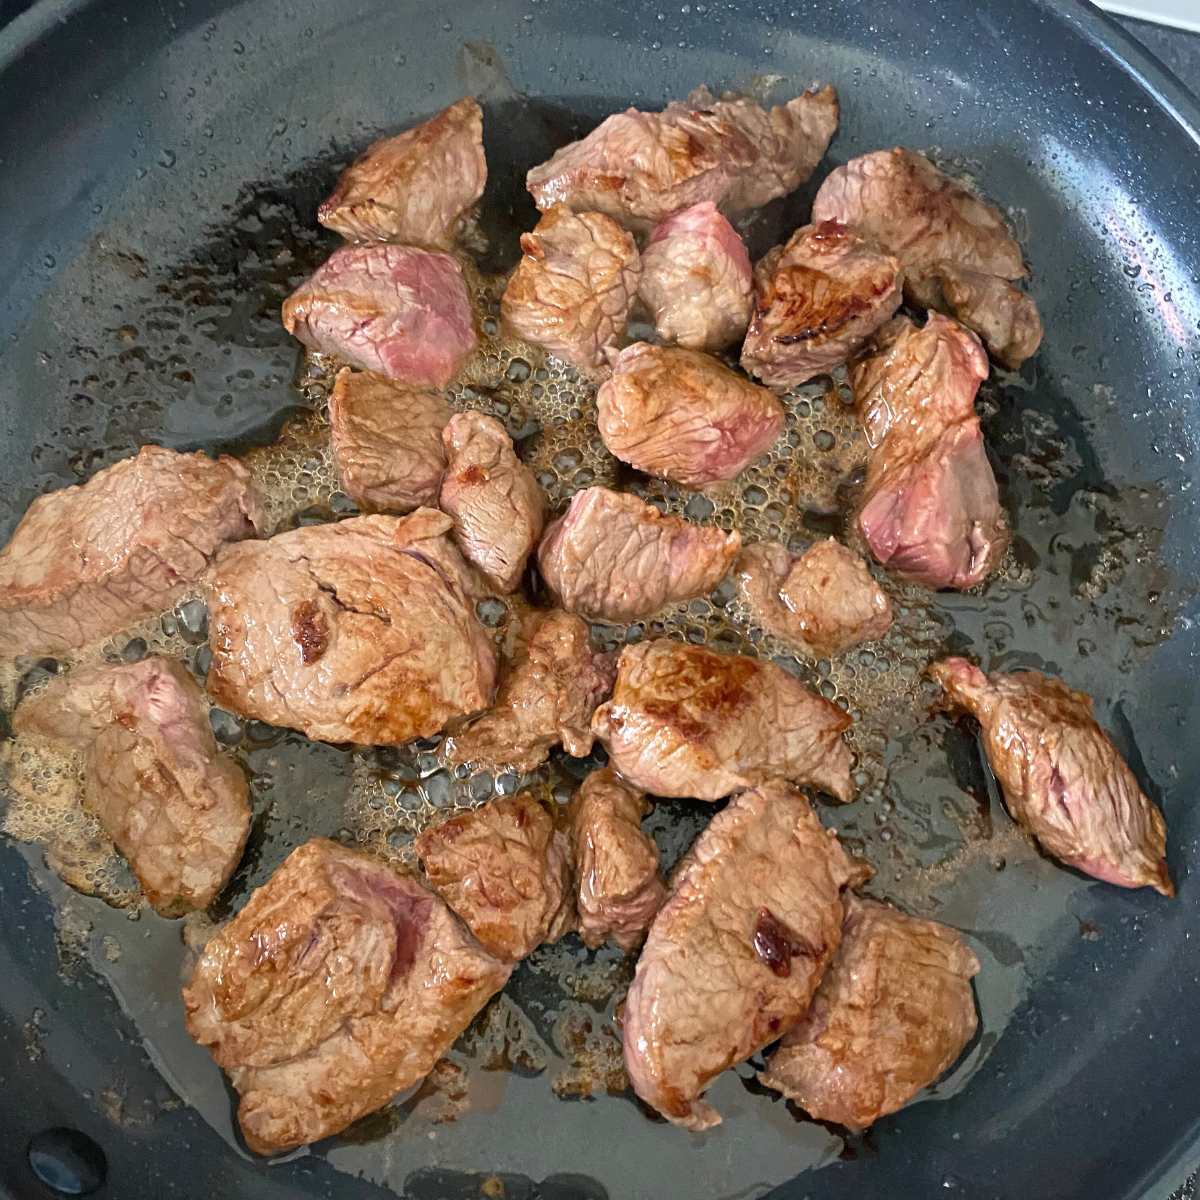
(161,165)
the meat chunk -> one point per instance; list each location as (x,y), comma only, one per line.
(547,695)
(573,288)
(387,441)
(684,721)
(894,1011)
(1002,315)
(362,631)
(824,602)
(684,416)
(493,499)
(414,187)
(817,300)
(619,888)
(172,804)
(901,201)
(86,561)
(396,310)
(696,279)
(612,557)
(930,507)
(340,983)
(506,871)
(640,167)
(1062,777)
(735,954)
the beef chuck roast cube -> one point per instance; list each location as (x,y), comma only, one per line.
(685,721)
(1005,317)
(894,1011)
(174,806)
(734,956)
(684,416)
(387,441)
(361,631)
(506,871)
(339,984)
(85,561)
(930,508)
(397,310)
(613,557)
(1063,779)
(414,187)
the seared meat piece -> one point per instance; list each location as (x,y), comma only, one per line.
(817,300)
(1002,315)
(616,864)
(930,508)
(1062,777)
(684,416)
(900,200)
(735,954)
(894,1010)
(172,804)
(402,312)
(362,631)
(547,695)
(640,167)
(387,441)
(506,871)
(823,602)
(696,279)
(340,983)
(414,187)
(493,499)
(85,561)
(684,721)
(573,288)
(612,557)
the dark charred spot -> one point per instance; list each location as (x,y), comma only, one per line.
(309,630)
(777,944)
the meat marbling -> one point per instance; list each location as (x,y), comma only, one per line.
(684,415)
(1063,779)
(734,956)
(85,561)
(894,1011)
(339,984)
(174,806)
(414,187)
(361,631)
(685,721)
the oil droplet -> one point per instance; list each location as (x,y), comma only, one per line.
(166,158)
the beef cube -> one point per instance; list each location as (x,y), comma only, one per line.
(1005,317)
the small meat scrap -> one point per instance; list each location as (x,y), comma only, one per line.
(734,956)
(696,279)
(548,692)
(641,167)
(1005,317)
(818,298)
(1063,779)
(414,187)
(930,507)
(397,310)
(824,602)
(174,806)
(573,288)
(684,416)
(339,984)
(361,631)
(387,441)
(85,561)
(506,871)
(493,499)
(619,886)
(612,557)
(893,1012)
(685,721)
